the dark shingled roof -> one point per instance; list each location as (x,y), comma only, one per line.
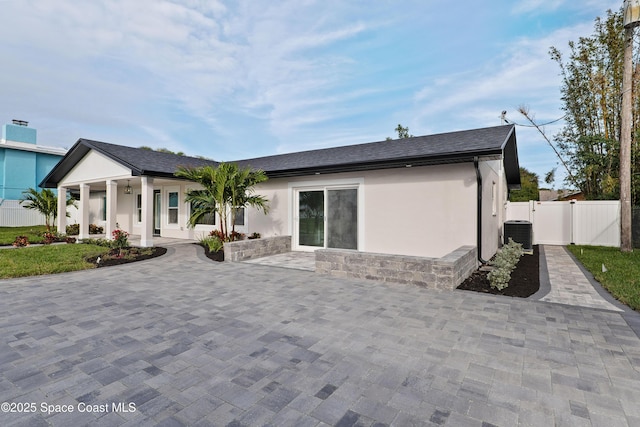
(452,147)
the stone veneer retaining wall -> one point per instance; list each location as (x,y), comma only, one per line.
(439,273)
(256,248)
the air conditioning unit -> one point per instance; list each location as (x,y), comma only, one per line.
(521,232)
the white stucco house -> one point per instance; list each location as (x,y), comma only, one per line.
(421,196)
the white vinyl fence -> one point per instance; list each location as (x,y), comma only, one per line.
(12,214)
(589,222)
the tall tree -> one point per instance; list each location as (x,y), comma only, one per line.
(45,202)
(591,87)
(403,132)
(529,187)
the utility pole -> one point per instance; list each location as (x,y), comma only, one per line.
(631,20)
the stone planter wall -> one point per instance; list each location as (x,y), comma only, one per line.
(256,248)
(438,273)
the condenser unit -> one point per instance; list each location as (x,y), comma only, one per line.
(520,232)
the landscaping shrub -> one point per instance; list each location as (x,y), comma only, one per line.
(213,243)
(21,241)
(49,238)
(94,229)
(504,263)
(253,235)
(73,229)
(70,239)
(120,239)
(98,242)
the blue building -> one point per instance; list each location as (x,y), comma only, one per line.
(23,163)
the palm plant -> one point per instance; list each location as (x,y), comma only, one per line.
(225,189)
(45,202)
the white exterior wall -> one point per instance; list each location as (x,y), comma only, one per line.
(422,211)
(494,196)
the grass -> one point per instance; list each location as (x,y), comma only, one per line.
(33,232)
(50,259)
(622,278)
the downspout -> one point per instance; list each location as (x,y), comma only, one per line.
(479,215)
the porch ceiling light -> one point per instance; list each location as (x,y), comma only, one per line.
(128,189)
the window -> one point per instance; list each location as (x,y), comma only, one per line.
(239,219)
(173,207)
(104,208)
(206,219)
(139,207)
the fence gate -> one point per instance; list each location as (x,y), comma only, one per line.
(589,222)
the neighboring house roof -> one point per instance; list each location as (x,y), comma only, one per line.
(452,147)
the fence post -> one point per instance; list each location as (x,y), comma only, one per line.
(572,222)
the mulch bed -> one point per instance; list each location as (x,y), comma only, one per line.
(213,256)
(113,258)
(525,279)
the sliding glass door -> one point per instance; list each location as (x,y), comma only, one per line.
(327,218)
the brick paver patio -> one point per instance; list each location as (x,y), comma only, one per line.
(180,340)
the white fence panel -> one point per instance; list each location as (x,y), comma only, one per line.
(597,223)
(552,223)
(12,214)
(518,211)
(561,223)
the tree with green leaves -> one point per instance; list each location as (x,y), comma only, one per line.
(45,202)
(403,132)
(529,187)
(225,189)
(591,87)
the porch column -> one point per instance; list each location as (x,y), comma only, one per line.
(146,233)
(61,220)
(83,213)
(112,200)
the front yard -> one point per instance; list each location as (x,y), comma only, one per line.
(33,232)
(622,275)
(47,259)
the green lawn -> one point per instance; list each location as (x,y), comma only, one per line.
(622,278)
(49,259)
(33,232)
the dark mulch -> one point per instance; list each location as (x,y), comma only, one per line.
(214,256)
(113,258)
(525,279)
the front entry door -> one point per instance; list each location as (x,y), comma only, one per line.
(157,209)
(327,218)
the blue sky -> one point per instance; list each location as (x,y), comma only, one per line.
(239,79)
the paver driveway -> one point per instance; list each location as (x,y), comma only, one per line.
(189,342)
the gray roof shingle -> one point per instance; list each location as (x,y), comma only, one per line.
(461,146)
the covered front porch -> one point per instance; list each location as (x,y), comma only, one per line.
(149,209)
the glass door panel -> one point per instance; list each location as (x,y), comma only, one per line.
(311,218)
(342,218)
(157,209)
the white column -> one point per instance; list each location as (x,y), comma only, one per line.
(61,220)
(112,201)
(83,212)
(146,234)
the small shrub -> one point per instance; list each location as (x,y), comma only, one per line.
(94,229)
(235,236)
(99,242)
(21,241)
(253,235)
(120,239)
(212,243)
(218,234)
(70,240)
(73,229)
(48,238)
(504,263)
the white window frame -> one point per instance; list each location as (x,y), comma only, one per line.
(137,211)
(325,185)
(167,192)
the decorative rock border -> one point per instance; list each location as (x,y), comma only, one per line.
(256,248)
(439,273)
